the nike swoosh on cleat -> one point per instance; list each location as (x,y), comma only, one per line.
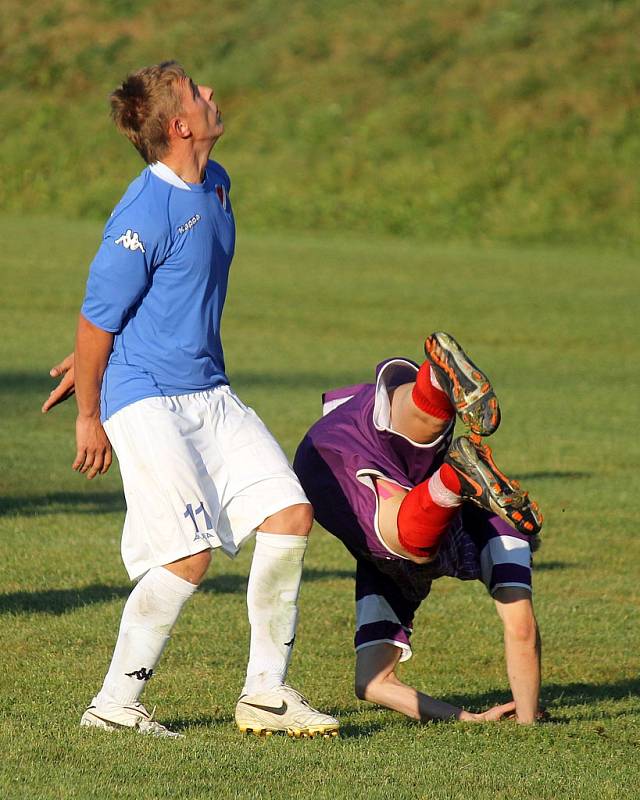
(281,711)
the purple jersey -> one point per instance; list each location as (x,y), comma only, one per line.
(337,463)
(355,441)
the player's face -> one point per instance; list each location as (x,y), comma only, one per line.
(201,112)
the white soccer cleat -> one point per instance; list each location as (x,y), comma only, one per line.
(112,717)
(282,710)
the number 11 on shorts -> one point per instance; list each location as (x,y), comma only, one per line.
(189,513)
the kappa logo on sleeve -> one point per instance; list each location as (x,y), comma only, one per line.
(130,241)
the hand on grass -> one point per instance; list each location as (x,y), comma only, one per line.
(66,387)
(494,714)
(93,448)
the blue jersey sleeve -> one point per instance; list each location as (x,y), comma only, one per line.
(133,244)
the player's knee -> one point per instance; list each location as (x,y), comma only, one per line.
(367,686)
(192,568)
(361,689)
(296,520)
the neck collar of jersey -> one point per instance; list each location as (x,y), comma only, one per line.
(166,174)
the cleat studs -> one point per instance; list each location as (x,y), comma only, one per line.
(528,526)
(518,516)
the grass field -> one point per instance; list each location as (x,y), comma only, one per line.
(557,331)
(466,119)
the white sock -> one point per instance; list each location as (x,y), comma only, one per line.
(440,495)
(272,595)
(147,619)
(434,379)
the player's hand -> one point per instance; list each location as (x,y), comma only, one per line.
(494,714)
(93,448)
(66,387)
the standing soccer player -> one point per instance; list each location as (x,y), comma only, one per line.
(411,505)
(199,468)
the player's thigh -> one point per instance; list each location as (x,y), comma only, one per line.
(169,471)
(260,482)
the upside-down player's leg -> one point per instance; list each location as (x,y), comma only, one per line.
(377,682)
(468,388)
(413,523)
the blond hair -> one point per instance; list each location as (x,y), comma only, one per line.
(142,107)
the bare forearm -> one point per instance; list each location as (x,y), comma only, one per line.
(523,670)
(93,449)
(93,347)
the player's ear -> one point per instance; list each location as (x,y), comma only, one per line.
(179,128)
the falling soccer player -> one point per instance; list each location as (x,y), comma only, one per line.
(411,505)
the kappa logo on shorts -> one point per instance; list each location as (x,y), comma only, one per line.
(195,219)
(204,535)
(130,241)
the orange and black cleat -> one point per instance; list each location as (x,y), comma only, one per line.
(485,485)
(469,389)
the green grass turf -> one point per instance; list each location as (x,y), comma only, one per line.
(557,331)
(500,119)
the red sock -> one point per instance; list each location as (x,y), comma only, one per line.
(422,522)
(450,478)
(429,398)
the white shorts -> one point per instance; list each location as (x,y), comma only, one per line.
(199,471)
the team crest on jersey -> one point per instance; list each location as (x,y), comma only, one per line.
(189,223)
(130,241)
(222,196)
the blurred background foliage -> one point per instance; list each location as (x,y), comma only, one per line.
(467,119)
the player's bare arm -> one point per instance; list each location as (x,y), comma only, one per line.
(66,388)
(522,650)
(377,682)
(93,449)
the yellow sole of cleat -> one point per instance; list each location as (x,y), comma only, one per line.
(294,734)
(313,734)
(255,731)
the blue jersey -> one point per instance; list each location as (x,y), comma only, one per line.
(159,282)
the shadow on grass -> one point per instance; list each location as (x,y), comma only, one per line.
(60,601)
(348,730)
(556,696)
(64,503)
(41,384)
